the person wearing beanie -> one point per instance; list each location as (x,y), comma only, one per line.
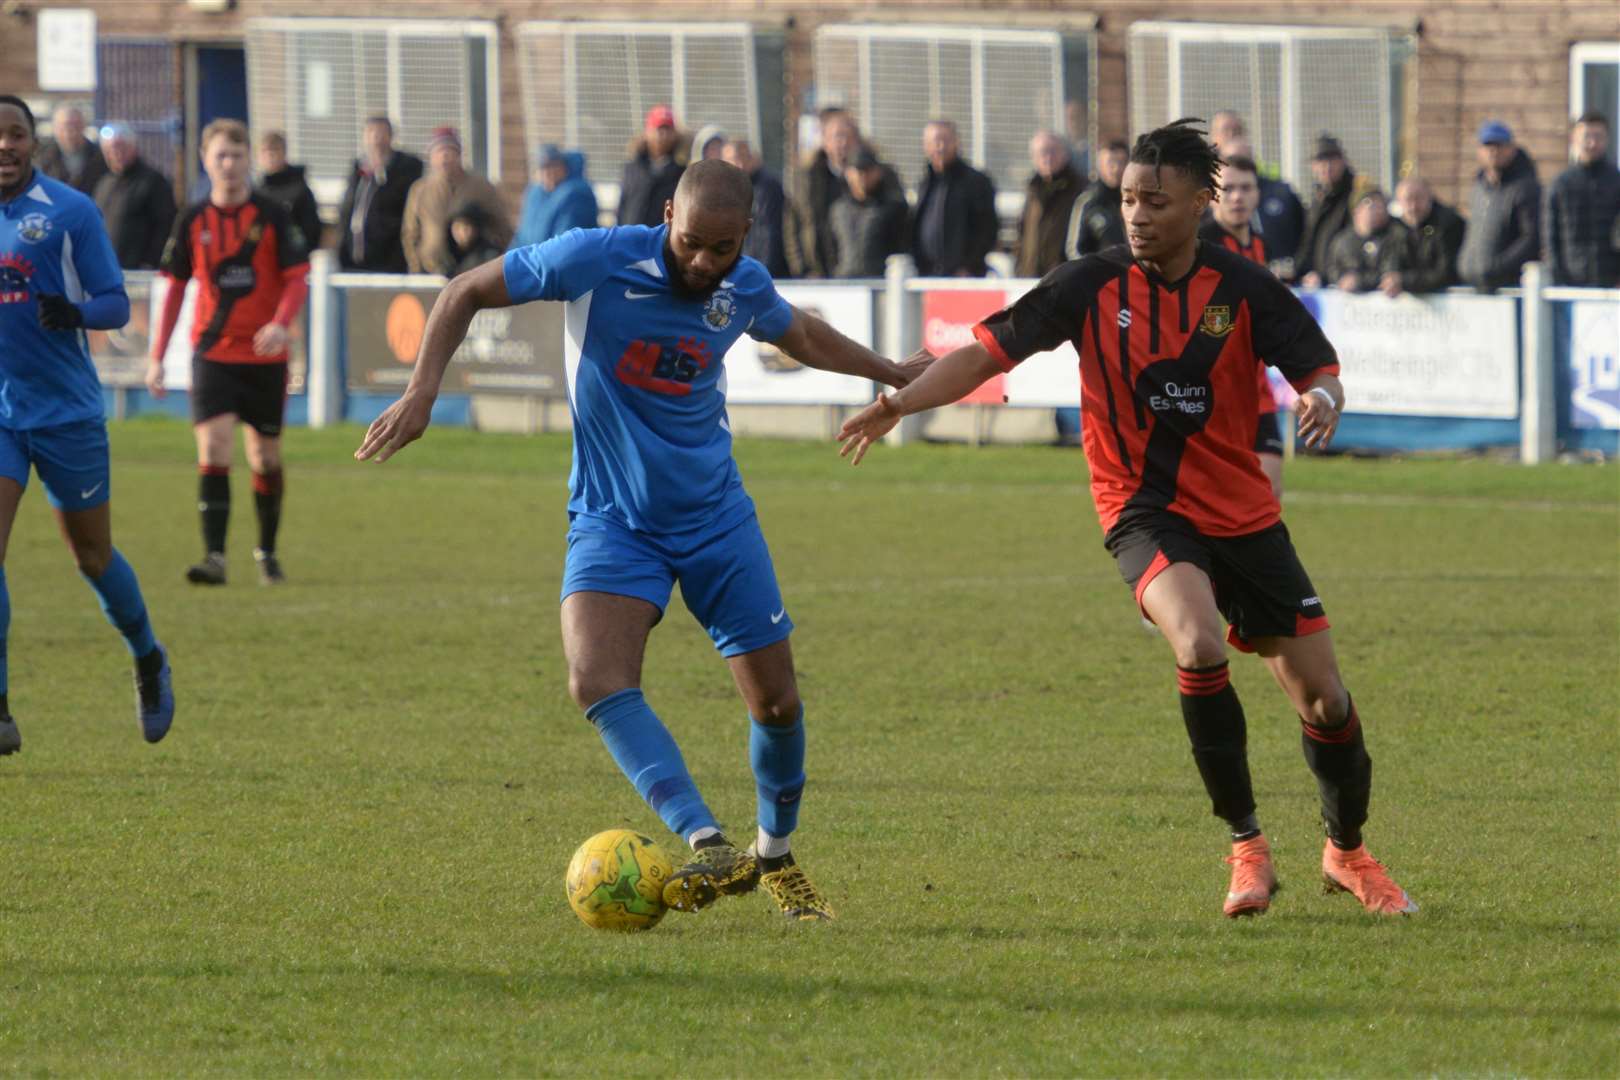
(425,234)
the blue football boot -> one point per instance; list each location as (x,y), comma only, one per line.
(154,698)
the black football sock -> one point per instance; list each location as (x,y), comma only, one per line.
(1219,737)
(1338,758)
(214,503)
(267,488)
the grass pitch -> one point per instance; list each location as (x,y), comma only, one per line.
(347,858)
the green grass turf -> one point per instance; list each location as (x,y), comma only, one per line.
(348,856)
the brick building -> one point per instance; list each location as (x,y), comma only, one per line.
(1419,77)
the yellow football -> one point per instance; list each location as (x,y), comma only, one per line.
(616,881)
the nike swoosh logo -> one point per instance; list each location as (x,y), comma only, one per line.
(86,494)
(778,616)
(631,294)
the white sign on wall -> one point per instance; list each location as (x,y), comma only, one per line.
(1450,355)
(66,49)
(1594,364)
(758,374)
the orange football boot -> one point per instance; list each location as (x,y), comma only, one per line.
(1253,878)
(1360,874)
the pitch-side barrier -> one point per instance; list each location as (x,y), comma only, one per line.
(1532,367)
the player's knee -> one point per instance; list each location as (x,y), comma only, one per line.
(1199,647)
(780,710)
(588,687)
(1325,705)
(92,561)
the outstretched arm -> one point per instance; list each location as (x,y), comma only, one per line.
(405,420)
(948,379)
(813,342)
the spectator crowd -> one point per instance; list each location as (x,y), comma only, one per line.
(847,210)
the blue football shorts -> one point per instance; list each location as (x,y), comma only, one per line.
(726,577)
(71,460)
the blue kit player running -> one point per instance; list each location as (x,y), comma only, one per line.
(58,278)
(656,497)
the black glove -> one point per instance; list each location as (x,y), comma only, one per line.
(59,313)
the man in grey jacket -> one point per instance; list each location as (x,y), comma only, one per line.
(1504,213)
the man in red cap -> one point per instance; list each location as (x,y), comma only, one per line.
(657,160)
(433,200)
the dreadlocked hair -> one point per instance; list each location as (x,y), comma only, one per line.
(1181,145)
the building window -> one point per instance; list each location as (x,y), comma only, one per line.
(588,85)
(319,79)
(1594,82)
(999,86)
(136,86)
(1290,84)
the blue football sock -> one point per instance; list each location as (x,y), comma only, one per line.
(120,596)
(777,755)
(648,756)
(5,630)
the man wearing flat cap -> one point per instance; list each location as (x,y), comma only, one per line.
(1330,209)
(447,186)
(1504,213)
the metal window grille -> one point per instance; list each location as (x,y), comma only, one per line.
(319,79)
(1289,84)
(136,85)
(588,85)
(999,86)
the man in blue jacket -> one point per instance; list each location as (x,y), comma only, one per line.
(559,199)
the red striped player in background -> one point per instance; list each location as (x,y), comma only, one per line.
(250,263)
(1229,223)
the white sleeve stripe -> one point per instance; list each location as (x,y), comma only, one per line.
(72,288)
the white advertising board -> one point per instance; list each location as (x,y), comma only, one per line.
(1452,355)
(757,374)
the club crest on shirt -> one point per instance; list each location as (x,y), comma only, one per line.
(718,310)
(33,228)
(1217,321)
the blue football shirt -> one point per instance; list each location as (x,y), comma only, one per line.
(52,240)
(646,382)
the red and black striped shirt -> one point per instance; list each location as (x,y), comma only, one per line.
(1254,251)
(244,258)
(1169,398)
